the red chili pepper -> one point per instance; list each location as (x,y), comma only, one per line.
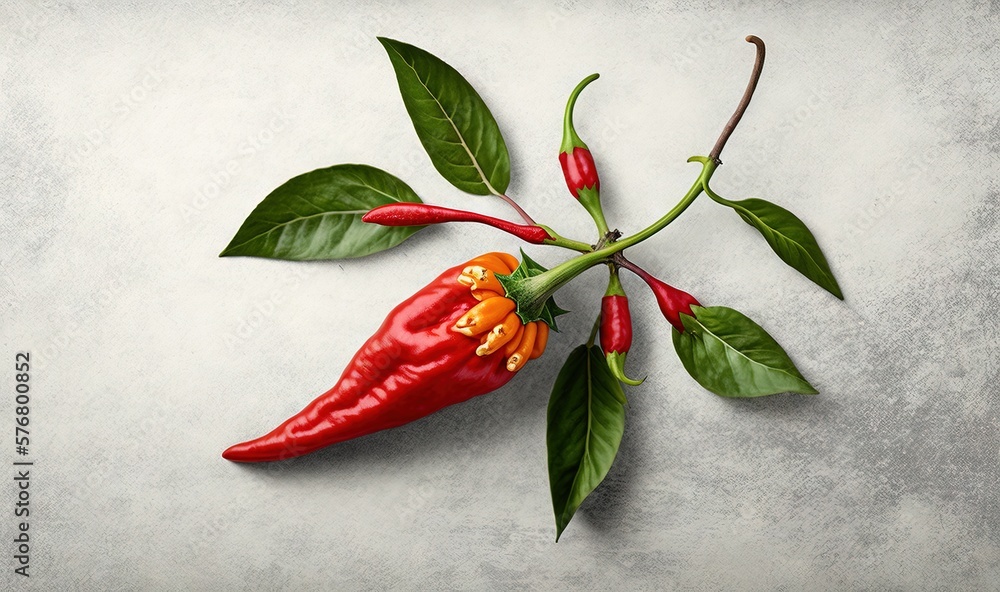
(437,348)
(616,325)
(578,165)
(579,170)
(418,214)
(616,329)
(672,301)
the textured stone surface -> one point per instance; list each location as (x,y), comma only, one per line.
(136,140)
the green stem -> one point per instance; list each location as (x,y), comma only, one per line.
(559,240)
(591,201)
(708,168)
(532,292)
(537,289)
(566,243)
(570,137)
(593,332)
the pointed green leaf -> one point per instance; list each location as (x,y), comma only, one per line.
(585,426)
(531,266)
(318,216)
(452,121)
(732,356)
(789,237)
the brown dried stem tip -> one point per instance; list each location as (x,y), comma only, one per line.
(758,66)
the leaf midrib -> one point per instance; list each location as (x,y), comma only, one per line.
(297,219)
(741,354)
(586,444)
(461,138)
(773,230)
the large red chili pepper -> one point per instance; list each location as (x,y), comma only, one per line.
(417,214)
(456,338)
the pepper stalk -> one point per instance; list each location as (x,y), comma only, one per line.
(578,165)
(533,292)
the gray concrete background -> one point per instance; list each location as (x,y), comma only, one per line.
(136,139)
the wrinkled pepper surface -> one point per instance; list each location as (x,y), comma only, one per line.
(455,339)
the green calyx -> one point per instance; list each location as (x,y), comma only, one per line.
(616,363)
(614,283)
(570,138)
(533,297)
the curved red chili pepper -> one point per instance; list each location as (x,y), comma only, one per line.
(418,214)
(616,329)
(579,170)
(435,349)
(578,165)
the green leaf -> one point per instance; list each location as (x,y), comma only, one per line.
(585,426)
(512,286)
(789,238)
(318,216)
(732,356)
(453,123)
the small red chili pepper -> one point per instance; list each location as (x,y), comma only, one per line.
(616,329)
(672,301)
(616,325)
(578,165)
(579,170)
(439,347)
(416,214)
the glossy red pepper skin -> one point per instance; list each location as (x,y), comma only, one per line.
(414,365)
(672,302)
(579,170)
(414,214)
(616,325)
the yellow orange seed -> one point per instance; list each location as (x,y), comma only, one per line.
(484,316)
(484,294)
(541,339)
(492,261)
(500,334)
(520,356)
(480,278)
(511,346)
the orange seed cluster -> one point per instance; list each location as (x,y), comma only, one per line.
(493,320)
